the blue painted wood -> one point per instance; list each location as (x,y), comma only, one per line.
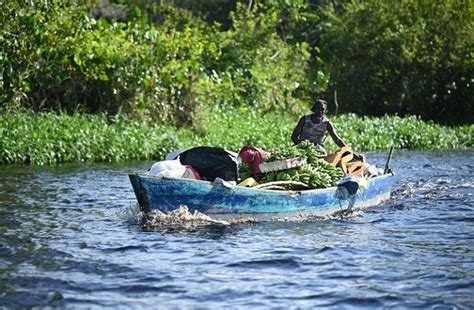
(167,194)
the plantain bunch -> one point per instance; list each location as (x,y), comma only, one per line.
(284,154)
(309,151)
(316,173)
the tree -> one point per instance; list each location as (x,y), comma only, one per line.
(407,57)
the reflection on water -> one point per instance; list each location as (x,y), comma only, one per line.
(71,235)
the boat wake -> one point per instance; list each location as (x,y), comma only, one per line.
(179,217)
(182,218)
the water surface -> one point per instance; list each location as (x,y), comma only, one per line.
(70,238)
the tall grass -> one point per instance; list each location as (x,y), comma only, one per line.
(49,138)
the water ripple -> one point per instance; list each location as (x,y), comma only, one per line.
(72,237)
(290,262)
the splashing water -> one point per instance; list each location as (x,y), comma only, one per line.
(179,217)
(183,218)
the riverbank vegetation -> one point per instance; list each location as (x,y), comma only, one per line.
(109,80)
(50,138)
(166,60)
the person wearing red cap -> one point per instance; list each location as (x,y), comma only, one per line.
(253,156)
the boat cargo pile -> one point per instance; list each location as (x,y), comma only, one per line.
(292,180)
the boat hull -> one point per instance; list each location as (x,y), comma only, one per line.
(220,201)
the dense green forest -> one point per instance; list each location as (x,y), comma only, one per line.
(166,60)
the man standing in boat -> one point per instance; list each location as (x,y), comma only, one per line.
(313,128)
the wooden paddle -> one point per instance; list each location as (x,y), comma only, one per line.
(388,160)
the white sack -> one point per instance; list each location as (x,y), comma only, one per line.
(167,168)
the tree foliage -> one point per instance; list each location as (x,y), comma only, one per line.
(167,60)
(405,57)
(56,57)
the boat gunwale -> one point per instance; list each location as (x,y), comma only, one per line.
(251,189)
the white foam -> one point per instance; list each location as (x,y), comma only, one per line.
(180,216)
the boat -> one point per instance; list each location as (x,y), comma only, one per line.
(222,200)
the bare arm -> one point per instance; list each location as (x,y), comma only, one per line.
(334,136)
(295,136)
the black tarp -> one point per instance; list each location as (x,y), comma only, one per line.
(211,163)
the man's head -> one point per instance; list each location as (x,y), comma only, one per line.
(319,107)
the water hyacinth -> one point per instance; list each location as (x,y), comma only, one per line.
(50,138)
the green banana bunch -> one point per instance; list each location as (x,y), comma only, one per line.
(283,154)
(316,173)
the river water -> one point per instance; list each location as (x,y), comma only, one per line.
(70,238)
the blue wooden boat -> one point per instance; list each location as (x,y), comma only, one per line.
(220,201)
